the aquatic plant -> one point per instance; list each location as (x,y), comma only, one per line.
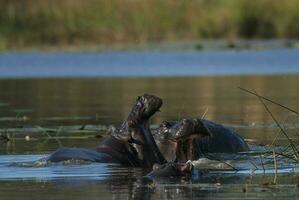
(286,153)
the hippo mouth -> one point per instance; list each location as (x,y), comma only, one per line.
(178,140)
(144,107)
(135,130)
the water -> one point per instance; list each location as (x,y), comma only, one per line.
(132,64)
(42,114)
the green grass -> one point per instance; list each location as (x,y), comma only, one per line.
(34,23)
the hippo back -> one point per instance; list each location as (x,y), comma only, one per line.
(221,140)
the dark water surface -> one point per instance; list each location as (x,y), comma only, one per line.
(40,115)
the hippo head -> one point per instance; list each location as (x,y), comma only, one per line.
(145,106)
(138,127)
(135,131)
(177,140)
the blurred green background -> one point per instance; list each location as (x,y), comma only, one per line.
(63,23)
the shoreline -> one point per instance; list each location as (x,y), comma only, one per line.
(161,46)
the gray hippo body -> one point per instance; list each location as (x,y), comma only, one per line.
(111,150)
(220,140)
(69,153)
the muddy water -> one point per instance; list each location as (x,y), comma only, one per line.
(40,115)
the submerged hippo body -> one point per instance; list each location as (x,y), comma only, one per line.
(190,139)
(110,150)
(68,153)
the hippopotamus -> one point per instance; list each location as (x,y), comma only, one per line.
(190,139)
(130,145)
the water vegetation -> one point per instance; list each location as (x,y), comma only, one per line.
(35,23)
(289,152)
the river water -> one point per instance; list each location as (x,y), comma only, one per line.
(53,100)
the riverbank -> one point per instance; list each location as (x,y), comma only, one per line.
(167,46)
(91,24)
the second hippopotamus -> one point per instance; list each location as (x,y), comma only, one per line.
(190,139)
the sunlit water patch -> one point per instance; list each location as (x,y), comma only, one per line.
(35,167)
(32,167)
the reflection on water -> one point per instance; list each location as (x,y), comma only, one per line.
(95,190)
(95,180)
(61,102)
(69,108)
